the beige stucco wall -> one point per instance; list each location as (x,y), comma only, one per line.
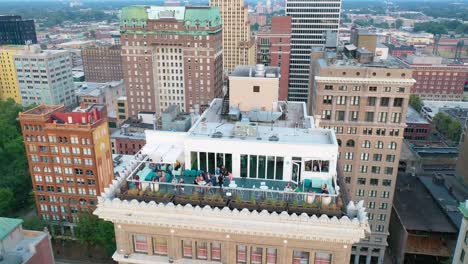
(241,92)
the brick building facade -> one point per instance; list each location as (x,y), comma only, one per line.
(69,158)
(171,55)
(102,63)
(273,49)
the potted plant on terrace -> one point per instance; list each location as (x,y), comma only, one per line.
(183,199)
(299,208)
(272,205)
(214,200)
(240,204)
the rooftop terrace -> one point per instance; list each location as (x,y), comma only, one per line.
(146,181)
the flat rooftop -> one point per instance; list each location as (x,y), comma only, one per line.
(340,60)
(253,71)
(294,127)
(417,209)
(414,117)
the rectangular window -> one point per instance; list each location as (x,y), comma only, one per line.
(187,249)
(271,255)
(160,246)
(384,101)
(340,115)
(341,100)
(326,114)
(202,250)
(353,115)
(322,258)
(372,89)
(374,182)
(328,87)
(361,181)
(369,117)
(216,251)
(301,257)
(140,244)
(327,99)
(256,255)
(241,254)
(256,89)
(371,101)
(382,117)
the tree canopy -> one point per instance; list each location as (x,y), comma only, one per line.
(13,162)
(450,128)
(93,231)
(442,27)
(416,102)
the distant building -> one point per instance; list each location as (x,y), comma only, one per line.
(130,138)
(238,43)
(45,76)
(311,21)
(19,246)
(274,49)
(9,87)
(417,127)
(401,51)
(121,106)
(420,230)
(16,31)
(261,20)
(102,63)
(436,79)
(171,56)
(101,93)
(69,159)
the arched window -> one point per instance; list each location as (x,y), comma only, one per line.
(392,145)
(379,145)
(339,142)
(366,144)
(350,143)
(89,172)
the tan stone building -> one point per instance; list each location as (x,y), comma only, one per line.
(366,104)
(238,43)
(296,214)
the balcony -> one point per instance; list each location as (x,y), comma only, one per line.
(238,193)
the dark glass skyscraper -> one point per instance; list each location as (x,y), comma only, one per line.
(16,31)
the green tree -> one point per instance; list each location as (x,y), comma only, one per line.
(7,201)
(254,27)
(416,102)
(13,161)
(34,223)
(93,231)
(398,23)
(454,131)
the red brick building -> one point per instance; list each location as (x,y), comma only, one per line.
(102,63)
(437,80)
(171,56)
(400,51)
(417,127)
(69,158)
(274,48)
(261,20)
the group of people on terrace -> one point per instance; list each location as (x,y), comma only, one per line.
(216,179)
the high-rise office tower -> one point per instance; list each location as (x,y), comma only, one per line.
(366,103)
(16,31)
(171,56)
(9,87)
(69,158)
(310,21)
(102,63)
(45,76)
(238,43)
(255,217)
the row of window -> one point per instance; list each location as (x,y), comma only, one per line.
(365,169)
(212,251)
(55,139)
(366,156)
(367,144)
(386,89)
(355,100)
(68,190)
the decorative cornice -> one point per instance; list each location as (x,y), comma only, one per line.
(327,79)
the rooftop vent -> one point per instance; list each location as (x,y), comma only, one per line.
(217,134)
(273,138)
(260,70)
